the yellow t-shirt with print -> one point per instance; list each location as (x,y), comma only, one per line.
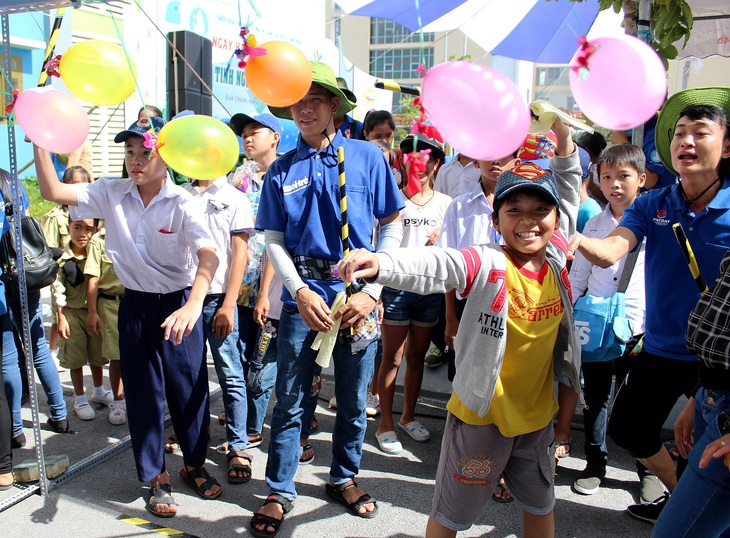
(524,400)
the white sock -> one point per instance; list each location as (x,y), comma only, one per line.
(80,400)
(100,391)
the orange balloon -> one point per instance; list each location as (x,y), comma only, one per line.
(281,77)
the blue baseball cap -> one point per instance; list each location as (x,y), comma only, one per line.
(239,121)
(140,127)
(585,162)
(527,176)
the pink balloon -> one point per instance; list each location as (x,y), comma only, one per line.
(625,83)
(52,120)
(478,110)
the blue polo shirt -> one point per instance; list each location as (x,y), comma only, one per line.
(351,128)
(671,292)
(301,197)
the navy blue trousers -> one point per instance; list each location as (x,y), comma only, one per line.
(155,370)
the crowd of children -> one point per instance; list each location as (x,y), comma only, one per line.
(497,252)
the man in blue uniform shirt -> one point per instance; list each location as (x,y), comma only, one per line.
(693,139)
(300,213)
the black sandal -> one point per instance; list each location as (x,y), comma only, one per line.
(191,476)
(235,467)
(261,519)
(338,494)
(160,494)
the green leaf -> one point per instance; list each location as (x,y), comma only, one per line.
(687,16)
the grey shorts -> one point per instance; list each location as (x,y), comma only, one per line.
(471,461)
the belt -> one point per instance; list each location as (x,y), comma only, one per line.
(319,269)
(315,268)
(110,297)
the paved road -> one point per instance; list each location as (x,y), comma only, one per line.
(93,503)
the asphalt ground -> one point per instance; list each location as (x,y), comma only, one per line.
(102,499)
(99,496)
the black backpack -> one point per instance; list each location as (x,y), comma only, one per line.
(40,267)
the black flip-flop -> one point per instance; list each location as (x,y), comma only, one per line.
(558,444)
(261,519)
(302,459)
(160,494)
(338,494)
(172,440)
(502,489)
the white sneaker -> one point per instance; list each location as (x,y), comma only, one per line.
(372,405)
(84,411)
(389,443)
(333,403)
(118,412)
(54,357)
(106,397)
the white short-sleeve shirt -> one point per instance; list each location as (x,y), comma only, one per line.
(227,212)
(153,248)
(453,179)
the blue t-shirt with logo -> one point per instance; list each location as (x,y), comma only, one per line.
(301,197)
(671,292)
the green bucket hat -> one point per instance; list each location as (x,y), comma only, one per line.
(718,96)
(323,75)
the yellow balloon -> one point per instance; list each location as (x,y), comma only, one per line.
(199,147)
(98,72)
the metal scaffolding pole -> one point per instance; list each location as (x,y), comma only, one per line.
(23,291)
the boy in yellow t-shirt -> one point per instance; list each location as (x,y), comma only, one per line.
(503,402)
(105,292)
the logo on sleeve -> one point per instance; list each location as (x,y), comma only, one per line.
(659,220)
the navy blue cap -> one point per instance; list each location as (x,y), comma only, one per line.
(585,162)
(239,121)
(140,127)
(527,176)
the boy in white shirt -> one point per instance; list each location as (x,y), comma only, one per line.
(621,175)
(153,232)
(227,212)
(458,176)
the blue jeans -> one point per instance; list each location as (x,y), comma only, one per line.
(296,368)
(261,376)
(44,365)
(228,360)
(699,504)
